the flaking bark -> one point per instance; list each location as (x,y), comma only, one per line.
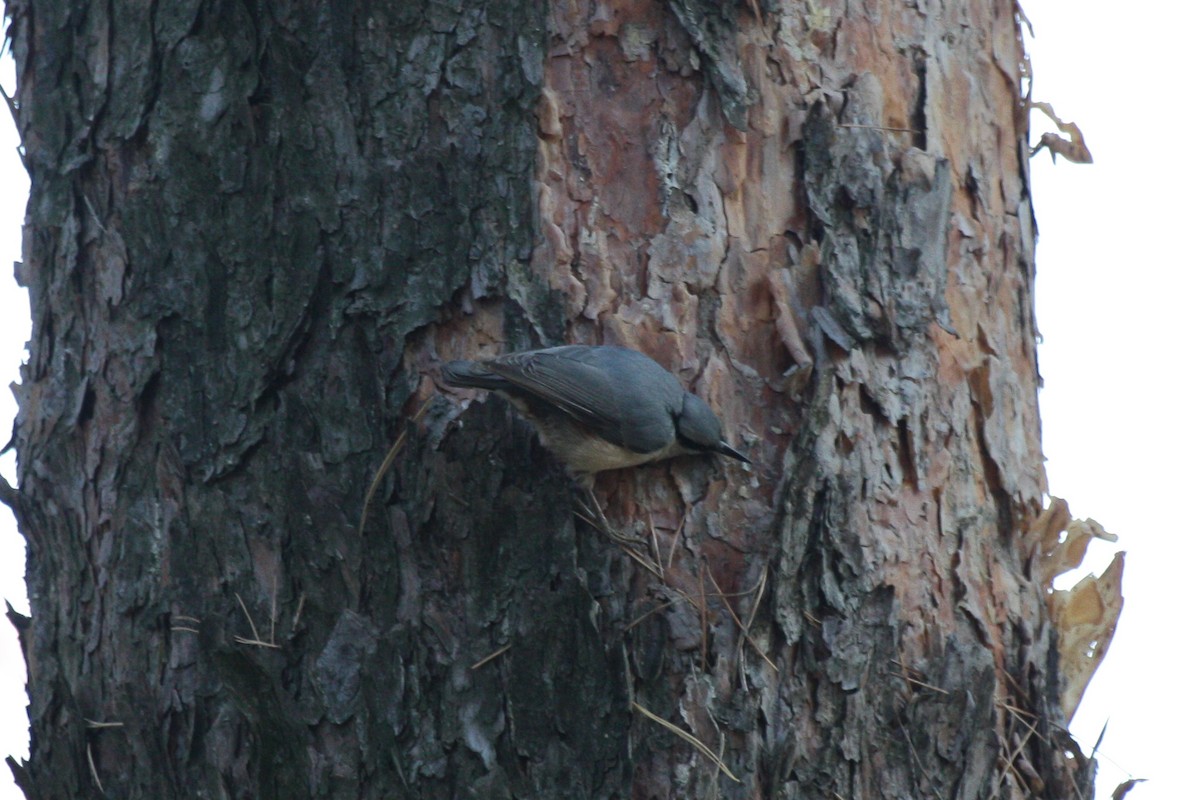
(257,229)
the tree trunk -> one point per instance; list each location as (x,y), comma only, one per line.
(255,231)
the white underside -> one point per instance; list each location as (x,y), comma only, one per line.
(584,453)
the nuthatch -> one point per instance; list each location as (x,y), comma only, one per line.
(598,408)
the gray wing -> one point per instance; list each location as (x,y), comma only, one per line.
(472,374)
(622,395)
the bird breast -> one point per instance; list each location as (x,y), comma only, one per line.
(586,453)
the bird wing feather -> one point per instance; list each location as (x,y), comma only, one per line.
(585,392)
(578,389)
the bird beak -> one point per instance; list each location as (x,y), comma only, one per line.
(724,449)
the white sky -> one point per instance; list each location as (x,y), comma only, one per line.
(1116,289)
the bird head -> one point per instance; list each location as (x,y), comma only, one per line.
(698,429)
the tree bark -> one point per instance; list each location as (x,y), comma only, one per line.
(255,231)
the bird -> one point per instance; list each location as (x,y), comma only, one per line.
(598,408)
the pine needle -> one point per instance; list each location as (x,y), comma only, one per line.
(687,737)
(387,463)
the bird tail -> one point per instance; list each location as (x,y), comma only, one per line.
(473,375)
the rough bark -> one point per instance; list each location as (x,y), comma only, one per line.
(256,229)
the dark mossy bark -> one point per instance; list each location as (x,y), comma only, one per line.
(240,212)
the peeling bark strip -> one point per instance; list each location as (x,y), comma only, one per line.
(255,232)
